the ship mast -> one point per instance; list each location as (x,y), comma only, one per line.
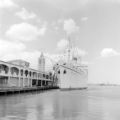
(69,48)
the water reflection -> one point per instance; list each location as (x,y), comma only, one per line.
(31,114)
(48,112)
(96,103)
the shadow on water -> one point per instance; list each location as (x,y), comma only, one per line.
(96,103)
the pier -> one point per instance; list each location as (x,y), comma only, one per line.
(19,78)
(9,90)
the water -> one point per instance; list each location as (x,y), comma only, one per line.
(96,103)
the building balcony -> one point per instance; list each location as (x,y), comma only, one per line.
(3,73)
(14,75)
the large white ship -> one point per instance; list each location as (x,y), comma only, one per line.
(71,73)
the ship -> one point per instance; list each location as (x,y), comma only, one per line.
(70,71)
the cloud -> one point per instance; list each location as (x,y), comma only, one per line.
(25,32)
(16,50)
(8,47)
(32,57)
(62,44)
(84,18)
(105,69)
(25,15)
(70,26)
(7,4)
(107,52)
(29,56)
(10,50)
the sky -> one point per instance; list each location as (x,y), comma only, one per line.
(29,27)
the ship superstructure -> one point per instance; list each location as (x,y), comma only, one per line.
(71,73)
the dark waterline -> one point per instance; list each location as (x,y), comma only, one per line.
(96,103)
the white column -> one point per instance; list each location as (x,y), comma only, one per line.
(37,80)
(19,76)
(9,74)
(28,80)
(23,77)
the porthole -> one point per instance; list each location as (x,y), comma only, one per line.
(65,72)
(59,72)
(64,64)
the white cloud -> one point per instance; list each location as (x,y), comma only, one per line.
(70,26)
(84,18)
(107,52)
(16,50)
(25,15)
(7,47)
(25,32)
(32,57)
(7,3)
(62,44)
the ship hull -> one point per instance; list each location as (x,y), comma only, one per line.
(70,79)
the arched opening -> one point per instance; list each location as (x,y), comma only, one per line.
(34,74)
(47,76)
(21,72)
(4,68)
(14,71)
(14,79)
(26,73)
(43,75)
(30,73)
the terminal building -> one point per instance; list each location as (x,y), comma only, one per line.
(17,73)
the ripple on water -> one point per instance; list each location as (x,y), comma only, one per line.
(96,103)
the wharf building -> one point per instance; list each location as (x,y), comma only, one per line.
(17,73)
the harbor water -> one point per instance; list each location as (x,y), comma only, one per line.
(94,103)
